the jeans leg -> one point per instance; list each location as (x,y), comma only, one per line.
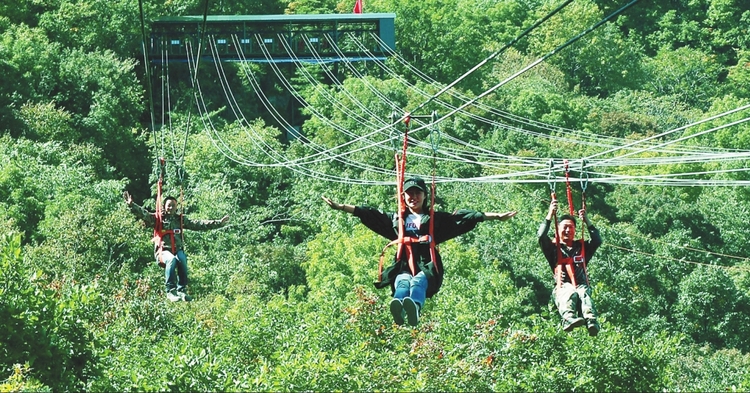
(402,285)
(170,278)
(182,271)
(418,289)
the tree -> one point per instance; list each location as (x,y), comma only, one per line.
(712,310)
(690,75)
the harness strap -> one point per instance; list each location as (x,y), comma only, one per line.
(568,262)
(405,243)
(434,139)
(568,190)
(158,232)
(584,184)
(400,173)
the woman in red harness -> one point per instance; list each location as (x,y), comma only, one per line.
(415,274)
(568,259)
(169,242)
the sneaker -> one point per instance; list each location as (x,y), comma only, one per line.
(571,324)
(173,296)
(593,328)
(412,311)
(184,296)
(397,311)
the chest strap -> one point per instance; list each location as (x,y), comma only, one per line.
(406,243)
(569,263)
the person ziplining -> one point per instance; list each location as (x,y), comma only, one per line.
(169,241)
(417,270)
(568,258)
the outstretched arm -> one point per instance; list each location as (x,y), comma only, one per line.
(499,216)
(137,210)
(338,206)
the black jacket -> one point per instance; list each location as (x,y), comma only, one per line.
(549,248)
(447,226)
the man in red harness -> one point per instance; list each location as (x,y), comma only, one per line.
(568,259)
(414,275)
(169,242)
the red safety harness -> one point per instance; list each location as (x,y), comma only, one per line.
(159,231)
(405,242)
(569,262)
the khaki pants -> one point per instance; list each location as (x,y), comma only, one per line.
(571,302)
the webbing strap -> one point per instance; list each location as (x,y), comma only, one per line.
(158,232)
(400,173)
(568,262)
(553,195)
(405,243)
(434,140)
(568,190)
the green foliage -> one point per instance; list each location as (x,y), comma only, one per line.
(283,295)
(600,63)
(45,323)
(688,74)
(705,370)
(711,310)
(20,381)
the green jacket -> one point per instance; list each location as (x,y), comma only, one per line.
(447,226)
(174,222)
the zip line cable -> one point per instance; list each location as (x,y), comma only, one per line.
(494,55)
(326,153)
(675,259)
(680,129)
(576,136)
(541,59)
(147,67)
(288,164)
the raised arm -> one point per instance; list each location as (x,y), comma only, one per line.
(338,206)
(137,210)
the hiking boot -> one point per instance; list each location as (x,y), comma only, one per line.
(397,310)
(412,311)
(173,296)
(184,296)
(571,324)
(593,328)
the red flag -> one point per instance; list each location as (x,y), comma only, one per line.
(357,7)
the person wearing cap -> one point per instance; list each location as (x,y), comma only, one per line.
(568,262)
(414,276)
(169,251)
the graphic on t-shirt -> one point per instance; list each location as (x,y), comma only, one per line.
(412,224)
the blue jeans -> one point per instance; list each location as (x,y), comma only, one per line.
(414,287)
(178,263)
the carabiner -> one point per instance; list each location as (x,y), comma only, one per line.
(584,176)
(551,177)
(434,133)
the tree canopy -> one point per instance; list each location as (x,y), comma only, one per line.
(655,101)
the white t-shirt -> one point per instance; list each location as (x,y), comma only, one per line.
(412,223)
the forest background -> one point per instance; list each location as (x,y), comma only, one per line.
(283,295)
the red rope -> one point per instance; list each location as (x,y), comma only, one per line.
(158,215)
(568,190)
(400,173)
